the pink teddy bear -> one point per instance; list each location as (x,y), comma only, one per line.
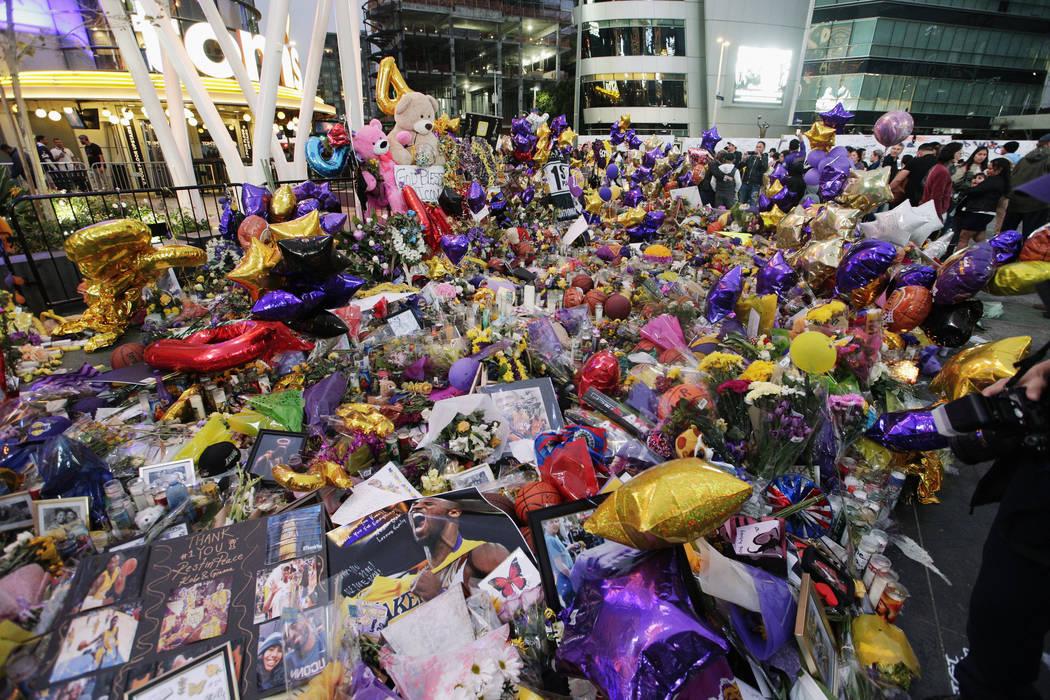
(371,143)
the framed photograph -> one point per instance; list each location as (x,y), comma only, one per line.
(477,476)
(528,407)
(56,513)
(109,578)
(562,545)
(273,447)
(16,511)
(485,126)
(158,474)
(293,534)
(816,640)
(305,647)
(211,676)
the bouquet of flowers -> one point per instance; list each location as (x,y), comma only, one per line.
(471,437)
(781,431)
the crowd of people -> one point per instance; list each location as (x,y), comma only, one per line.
(61,167)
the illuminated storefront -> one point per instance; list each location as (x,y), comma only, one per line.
(75,82)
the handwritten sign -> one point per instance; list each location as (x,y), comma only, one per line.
(425,181)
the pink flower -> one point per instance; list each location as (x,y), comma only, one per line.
(737,386)
(337,136)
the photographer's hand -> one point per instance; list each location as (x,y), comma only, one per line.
(1034,381)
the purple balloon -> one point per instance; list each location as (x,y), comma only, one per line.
(305,206)
(476,197)
(455,247)
(863,263)
(836,117)
(631,629)
(776,277)
(779,173)
(612,172)
(575,190)
(328,200)
(812,177)
(306,189)
(229,221)
(277,305)
(461,374)
(964,274)
(654,219)
(332,223)
(340,289)
(1007,246)
(642,175)
(907,431)
(893,127)
(808,202)
(815,157)
(764,202)
(913,275)
(837,159)
(255,201)
(605,193)
(709,139)
(723,296)
(831,183)
(632,197)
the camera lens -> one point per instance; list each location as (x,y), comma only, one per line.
(976,447)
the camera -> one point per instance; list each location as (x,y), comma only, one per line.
(981,428)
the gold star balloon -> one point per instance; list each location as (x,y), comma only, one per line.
(625,121)
(818,261)
(820,137)
(542,151)
(833,221)
(632,216)
(253,271)
(566,138)
(592,203)
(771,218)
(867,189)
(789,229)
(774,188)
(981,366)
(304,227)
(117,260)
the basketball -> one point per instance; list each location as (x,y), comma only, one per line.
(618,306)
(126,355)
(129,567)
(533,496)
(583,282)
(500,501)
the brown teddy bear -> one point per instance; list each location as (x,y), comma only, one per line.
(415,114)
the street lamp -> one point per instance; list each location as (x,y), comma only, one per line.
(722,44)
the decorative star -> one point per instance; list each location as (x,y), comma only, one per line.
(789,228)
(771,218)
(566,138)
(592,203)
(834,221)
(867,189)
(303,227)
(981,366)
(836,117)
(774,188)
(820,137)
(253,271)
(631,217)
(625,121)
(709,139)
(446,125)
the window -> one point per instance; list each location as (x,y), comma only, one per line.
(634,90)
(634,37)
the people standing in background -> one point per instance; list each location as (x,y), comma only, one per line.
(978,202)
(1026,212)
(752,172)
(726,180)
(974,165)
(1009,151)
(938,186)
(737,155)
(93,152)
(911,178)
(893,160)
(875,160)
(16,169)
(861,165)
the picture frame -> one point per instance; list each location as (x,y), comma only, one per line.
(476,476)
(573,541)
(210,675)
(273,447)
(156,474)
(815,638)
(54,513)
(484,126)
(16,511)
(528,407)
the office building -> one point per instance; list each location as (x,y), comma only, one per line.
(954,64)
(329,78)
(679,66)
(482,56)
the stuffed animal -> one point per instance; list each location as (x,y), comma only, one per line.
(415,115)
(373,152)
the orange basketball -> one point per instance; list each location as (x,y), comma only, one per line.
(126,355)
(534,496)
(907,307)
(252,227)
(593,298)
(1037,247)
(670,399)
(573,297)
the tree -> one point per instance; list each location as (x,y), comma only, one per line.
(557,100)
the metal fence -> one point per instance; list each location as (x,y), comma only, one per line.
(76,176)
(42,223)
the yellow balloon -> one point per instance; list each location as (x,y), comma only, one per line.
(672,503)
(282,205)
(1019,277)
(253,270)
(159,259)
(631,216)
(867,189)
(772,218)
(834,221)
(975,368)
(813,352)
(306,226)
(389,77)
(820,137)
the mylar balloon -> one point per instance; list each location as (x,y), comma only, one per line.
(973,369)
(255,201)
(776,276)
(333,165)
(964,274)
(907,307)
(893,127)
(723,296)
(283,203)
(863,263)
(455,247)
(224,347)
(1019,277)
(951,325)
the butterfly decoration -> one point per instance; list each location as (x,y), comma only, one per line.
(197,688)
(511,582)
(212,669)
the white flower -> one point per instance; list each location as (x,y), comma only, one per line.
(760,390)
(509,662)
(485,673)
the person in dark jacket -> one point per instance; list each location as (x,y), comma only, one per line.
(1025,212)
(751,172)
(979,201)
(726,180)
(912,177)
(795,183)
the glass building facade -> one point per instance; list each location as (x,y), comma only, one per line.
(953,64)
